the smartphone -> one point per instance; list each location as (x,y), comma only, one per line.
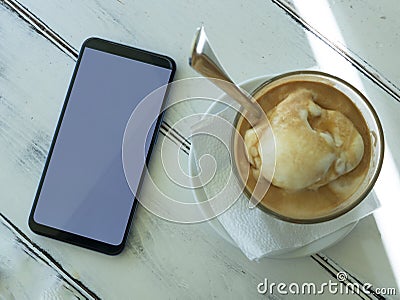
(83,197)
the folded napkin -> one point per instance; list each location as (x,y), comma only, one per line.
(256,233)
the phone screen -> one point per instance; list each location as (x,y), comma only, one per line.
(84,191)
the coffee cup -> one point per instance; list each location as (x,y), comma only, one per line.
(289,196)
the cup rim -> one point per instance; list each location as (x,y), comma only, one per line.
(380,138)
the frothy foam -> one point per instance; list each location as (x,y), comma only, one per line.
(313,146)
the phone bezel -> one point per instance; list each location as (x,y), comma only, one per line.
(130,53)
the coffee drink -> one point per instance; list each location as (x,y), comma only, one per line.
(322,150)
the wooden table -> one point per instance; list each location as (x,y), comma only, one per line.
(358,41)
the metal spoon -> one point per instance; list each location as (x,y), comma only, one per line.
(205,62)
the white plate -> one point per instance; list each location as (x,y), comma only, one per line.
(200,196)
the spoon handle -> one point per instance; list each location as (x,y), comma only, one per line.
(205,62)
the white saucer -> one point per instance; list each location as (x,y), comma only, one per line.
(294,252)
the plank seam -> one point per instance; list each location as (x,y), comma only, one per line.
(354,59)
(38,253)
(39,26)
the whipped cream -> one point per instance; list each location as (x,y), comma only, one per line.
(313,145)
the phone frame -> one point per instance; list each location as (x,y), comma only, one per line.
(130,53)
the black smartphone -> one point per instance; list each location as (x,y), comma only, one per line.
(83,197)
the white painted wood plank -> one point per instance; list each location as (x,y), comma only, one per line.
(169,28)
(33,80)
(369,29)
(26,273)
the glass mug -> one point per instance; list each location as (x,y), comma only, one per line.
(313,206)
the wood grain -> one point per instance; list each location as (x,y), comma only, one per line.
(21,261)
